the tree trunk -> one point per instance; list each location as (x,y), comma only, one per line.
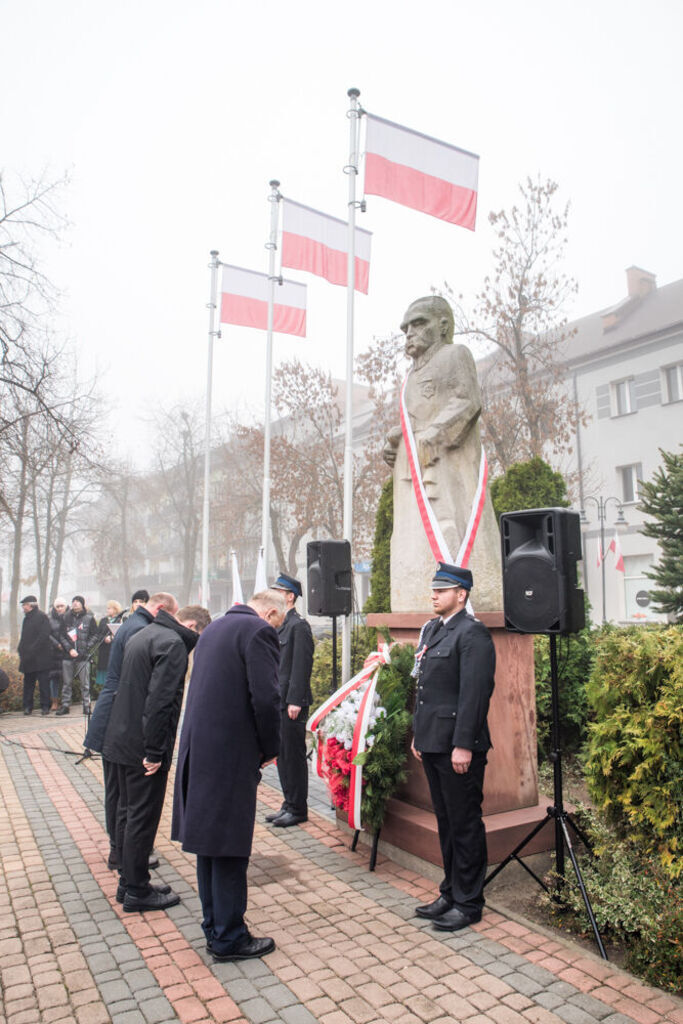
(17,544)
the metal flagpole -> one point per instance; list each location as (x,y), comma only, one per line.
(274,200)
(352,172)
(213,299)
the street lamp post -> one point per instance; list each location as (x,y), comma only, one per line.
(601,506)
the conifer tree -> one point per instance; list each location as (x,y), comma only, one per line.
(662,498)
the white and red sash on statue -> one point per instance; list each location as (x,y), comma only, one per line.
(435,537)
(369,675)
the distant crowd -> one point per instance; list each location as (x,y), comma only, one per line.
(65,644)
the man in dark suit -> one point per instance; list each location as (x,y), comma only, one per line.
(139,740)
(35,654)
(230,731)
(455,662)
(296,662)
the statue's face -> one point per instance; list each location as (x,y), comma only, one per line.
(421,328)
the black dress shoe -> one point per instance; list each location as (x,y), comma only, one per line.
(153,861)
(153,900)
(28,711)
(287,819)
(248,950)
(64,710)
(435,909)
(121,891)
(453,920)
(275,815)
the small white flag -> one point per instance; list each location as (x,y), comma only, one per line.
(237,597)
(261,581)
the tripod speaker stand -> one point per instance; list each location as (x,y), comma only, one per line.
(540,549)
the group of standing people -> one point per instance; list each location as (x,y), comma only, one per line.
(248,702)
(59,647)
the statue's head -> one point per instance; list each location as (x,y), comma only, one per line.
(427,321)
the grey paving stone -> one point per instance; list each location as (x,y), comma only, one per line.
(297,1015)
(114,991)
(481,957)
(497,967)
(617,1018)
(549,1000)
(129,1017)
(139,979)
(539,974)
(256,1010)
(241,989)
(523,983)
(254,968)
(155,1010)
(592,1006)
(99,962)
(562,988)
(573,1014)
(279,996)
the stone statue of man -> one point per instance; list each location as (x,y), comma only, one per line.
(443,403)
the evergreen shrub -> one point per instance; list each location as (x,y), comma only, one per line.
(634,762)
(634,902)
(575,655)
(13,697)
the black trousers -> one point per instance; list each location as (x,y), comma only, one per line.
(457,803)
(43,680)
(110,776)
(141,801)
(222,883)
(292,766)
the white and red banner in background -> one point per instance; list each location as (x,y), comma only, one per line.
(615,546)
(244,301)
(318,243)
(261,581)
(421,172)
(237,596)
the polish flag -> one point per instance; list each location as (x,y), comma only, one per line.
(601,557)
(615,546)
(237,597)
(421,172)
(244,302)
(318,243)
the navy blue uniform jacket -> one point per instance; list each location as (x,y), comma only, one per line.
(296,660)
(454,686)
(231,726)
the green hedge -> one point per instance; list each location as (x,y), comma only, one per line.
(575,656)
(634,763)
(12,699)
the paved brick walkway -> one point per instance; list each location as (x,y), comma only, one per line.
(349,950)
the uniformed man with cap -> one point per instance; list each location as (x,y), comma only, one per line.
(296,662)
(455,661)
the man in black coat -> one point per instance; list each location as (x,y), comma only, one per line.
(94,738)
(79,637)
(230,731)
(35,654)
(296,662)
(456,662)
(139,739)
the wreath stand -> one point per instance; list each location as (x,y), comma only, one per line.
(373,852)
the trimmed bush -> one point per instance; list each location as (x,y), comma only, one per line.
(575,655)
(13,697)
(634,764)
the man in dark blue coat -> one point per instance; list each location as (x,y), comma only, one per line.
(296,662)
(94,739)
(456,662)
(230,731)
(35,654)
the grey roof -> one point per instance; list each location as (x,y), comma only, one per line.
(659,312)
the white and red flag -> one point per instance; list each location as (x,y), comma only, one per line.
(421,172)
(237,596)
(601,557)
(244,301)
(615,546)
(318,243)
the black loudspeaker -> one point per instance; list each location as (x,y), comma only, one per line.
(329,577)
(540,549)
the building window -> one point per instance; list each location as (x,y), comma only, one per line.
(673,383)
(623,397)
(630,475)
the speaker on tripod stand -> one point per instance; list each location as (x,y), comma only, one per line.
(540,551)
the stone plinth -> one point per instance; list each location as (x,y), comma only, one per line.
(511,804)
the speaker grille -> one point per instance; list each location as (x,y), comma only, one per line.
(531,595)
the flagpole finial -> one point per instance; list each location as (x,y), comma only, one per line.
(353,93)
(274,183)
